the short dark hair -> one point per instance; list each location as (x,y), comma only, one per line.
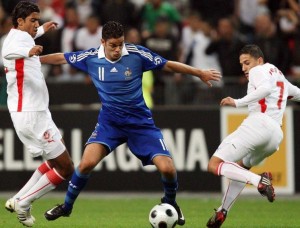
(22,10)
(252,50)
(112,29)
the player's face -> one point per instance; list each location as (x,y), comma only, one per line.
(248,62)
(113,48)
(30,24)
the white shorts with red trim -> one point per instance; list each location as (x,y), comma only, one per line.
(39,133)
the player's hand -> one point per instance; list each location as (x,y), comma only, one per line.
(228,101)
(36,50)
(50,25)
(210,75)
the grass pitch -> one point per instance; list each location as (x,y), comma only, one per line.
(129,211)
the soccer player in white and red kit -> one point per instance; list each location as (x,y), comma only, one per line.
(260,134)
(28,102)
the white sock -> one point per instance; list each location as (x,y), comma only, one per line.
(38,173)
(235,172)
(233,191)
(46,183)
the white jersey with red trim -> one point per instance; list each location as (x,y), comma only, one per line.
(268,91)
(26,86)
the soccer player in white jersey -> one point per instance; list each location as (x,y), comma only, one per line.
(116,70)
(260,134)
(28,101)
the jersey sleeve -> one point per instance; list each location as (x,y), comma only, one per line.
(262,84)
(78,59)
(18,48)
(150,59)
(293,92)
(40,32)
(250,98)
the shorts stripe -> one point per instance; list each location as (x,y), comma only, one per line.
(162,144)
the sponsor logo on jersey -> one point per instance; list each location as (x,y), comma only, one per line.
(157,60)
(72,58)
(114,70)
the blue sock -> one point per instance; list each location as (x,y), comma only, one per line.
(76,184)
(170,189)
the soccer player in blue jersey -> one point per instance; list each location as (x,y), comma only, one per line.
(116,70)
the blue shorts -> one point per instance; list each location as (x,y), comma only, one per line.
(143,138)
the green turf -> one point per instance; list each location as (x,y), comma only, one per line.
(131,212)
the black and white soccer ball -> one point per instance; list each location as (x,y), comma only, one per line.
(163,216)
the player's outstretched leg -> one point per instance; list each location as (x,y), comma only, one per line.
(217,219)
(76,184)
(56,212)
(265,187)
(181,219)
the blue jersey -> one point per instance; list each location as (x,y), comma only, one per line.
(124,116)
(119,83)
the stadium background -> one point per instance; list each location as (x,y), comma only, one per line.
(191,123)
(191,133)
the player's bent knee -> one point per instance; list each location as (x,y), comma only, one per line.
(212,167)
(167,170)
(86,167)
(65,171)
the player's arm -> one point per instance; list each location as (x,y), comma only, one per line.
(23,52)
(204,75)
(293,92)
(47,26)
(55,59)
(253,97)
(16,53)
(258,80)
(20,48)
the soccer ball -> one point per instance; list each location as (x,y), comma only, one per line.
(163,216)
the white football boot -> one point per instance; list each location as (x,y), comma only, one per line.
(10,205)
(24,214)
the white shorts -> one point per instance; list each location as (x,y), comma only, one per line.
(38,133)
(258,137)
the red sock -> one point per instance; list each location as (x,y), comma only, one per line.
(54,177)
(44,168)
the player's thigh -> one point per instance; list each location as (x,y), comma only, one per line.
(92,155)
(108,135)
(146,144)
(62,163)
(39,133)
(272,141)
(233,148)
(164,164)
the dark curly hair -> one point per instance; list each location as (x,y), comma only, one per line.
(112,29)
(252,50)
(22,10)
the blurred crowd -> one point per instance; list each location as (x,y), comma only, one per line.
(203,33)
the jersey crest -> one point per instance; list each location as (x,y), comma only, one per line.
(128,74)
